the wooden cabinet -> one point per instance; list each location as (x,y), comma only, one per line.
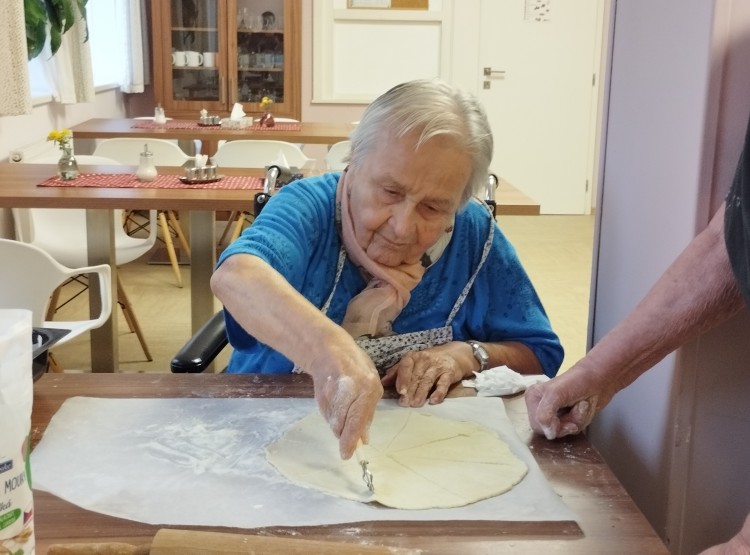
(212,53)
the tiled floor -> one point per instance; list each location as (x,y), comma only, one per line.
(556,251)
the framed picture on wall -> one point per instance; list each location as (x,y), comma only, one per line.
(390,4)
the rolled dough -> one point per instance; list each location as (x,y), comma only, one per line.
(418,461)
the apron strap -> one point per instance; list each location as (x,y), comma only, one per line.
(485,254)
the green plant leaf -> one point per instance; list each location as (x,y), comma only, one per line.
(36,26)
(53,17)
(61,18)
(55,40)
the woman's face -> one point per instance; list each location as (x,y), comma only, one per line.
(403,200)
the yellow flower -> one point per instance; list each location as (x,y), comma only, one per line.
(265,103)
(62,137)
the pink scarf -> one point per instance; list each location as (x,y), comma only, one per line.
(388,290)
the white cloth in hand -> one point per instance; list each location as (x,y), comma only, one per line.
(237,112)
(502,381)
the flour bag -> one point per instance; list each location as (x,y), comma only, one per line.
(16,397)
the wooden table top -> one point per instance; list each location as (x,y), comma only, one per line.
(608,520)
(20,190)
(310,132)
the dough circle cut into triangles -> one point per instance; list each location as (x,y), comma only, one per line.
(418,461)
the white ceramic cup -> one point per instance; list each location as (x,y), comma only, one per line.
(209,59)
(194,59)
(179,59)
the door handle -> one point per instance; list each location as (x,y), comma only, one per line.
(489,72)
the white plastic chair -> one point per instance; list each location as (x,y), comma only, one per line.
(127,150)
(30,278)
(336,154)
(279,120)
(166,153)
(62,233)
(284,120)
(255,154)
(250,153)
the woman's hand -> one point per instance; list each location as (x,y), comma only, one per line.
(347,389)
(417,373)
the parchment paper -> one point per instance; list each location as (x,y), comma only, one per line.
(202,462)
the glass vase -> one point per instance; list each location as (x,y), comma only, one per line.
(67,166)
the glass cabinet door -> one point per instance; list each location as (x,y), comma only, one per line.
(260,47)
(209,54)
(196,40)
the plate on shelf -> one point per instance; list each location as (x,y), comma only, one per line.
(187,181)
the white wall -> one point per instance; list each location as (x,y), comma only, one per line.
(678,437)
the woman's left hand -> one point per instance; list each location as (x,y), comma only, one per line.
(417,373)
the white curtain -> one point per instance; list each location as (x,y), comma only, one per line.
(133,11)
(69,70)
(15,92)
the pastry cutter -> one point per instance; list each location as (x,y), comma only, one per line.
(366,474)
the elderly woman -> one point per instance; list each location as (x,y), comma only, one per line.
(387,268)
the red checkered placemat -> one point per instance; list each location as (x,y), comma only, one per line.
(279,126)
(187,124)
(161,182)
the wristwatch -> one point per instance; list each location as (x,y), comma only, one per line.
(480,353)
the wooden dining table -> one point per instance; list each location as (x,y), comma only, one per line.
(510,200)
(20,189)
(321,133)
(607,520)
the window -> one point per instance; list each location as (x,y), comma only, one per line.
(108,46)
(108,37)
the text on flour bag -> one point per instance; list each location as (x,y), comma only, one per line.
(16,397)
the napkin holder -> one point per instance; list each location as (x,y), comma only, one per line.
(242,123)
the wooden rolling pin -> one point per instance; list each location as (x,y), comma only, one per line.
(188,542)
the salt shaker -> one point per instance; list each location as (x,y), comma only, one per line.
(159,116)
(146,169)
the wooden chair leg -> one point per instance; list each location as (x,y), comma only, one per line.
(178,231)
(230,221)
(238,225)
(170,247)
(127,309)
(127,221)
(53,300)
(53,365)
